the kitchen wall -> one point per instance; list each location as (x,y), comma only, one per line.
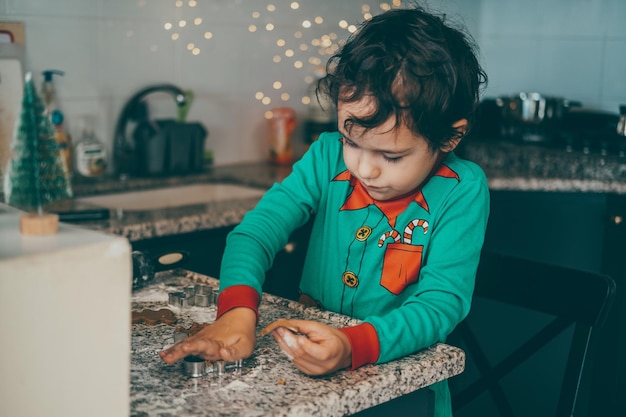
(111,48)
(569,48)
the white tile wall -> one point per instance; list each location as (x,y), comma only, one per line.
(109,49)
(568,48)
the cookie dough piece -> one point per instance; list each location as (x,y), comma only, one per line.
(152,317)
(279,323)
(195,328)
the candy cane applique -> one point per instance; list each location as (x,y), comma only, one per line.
(394,234)
(408,230)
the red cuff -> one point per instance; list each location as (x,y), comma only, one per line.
(238,296)
(365,344)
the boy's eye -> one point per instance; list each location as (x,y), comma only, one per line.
(392,159)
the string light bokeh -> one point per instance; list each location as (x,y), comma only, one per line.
(176,28)
(306,51)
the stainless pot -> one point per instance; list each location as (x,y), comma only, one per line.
(535,108)
(533,116)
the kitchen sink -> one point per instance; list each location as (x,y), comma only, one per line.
(168,197)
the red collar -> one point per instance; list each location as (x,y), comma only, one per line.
(359,198)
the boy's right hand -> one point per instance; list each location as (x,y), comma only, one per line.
(231,337)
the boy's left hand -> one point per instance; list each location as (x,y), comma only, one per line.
(319,349)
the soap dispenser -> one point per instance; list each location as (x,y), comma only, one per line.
(64,141)
(53,110)
(48,92)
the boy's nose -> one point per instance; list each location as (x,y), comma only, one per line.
(368,168)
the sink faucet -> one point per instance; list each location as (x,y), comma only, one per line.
(136,109)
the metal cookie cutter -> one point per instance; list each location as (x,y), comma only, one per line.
(175,299)
(180,299)
(202,300)
(221,367)
(194,366)
(200,295)
(190,291)
(202,289)
(205,295)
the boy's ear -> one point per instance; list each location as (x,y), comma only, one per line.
(461,128)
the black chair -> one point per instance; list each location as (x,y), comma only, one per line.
(529,339)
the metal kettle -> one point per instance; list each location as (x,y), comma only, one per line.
(136,110)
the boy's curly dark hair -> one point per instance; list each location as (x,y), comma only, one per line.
(415,67)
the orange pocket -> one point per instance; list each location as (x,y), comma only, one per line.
(401,266)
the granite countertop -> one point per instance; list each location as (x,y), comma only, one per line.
(511,166)
(267,384)
(145,224)
(508,166)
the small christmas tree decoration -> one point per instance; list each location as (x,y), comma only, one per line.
(36,174)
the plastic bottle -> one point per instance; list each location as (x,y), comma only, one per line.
(91,156)
(281,125)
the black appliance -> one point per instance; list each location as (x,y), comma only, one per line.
(548,121)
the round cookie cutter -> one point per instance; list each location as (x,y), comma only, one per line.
(194,366)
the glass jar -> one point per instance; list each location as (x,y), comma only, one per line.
(281,124)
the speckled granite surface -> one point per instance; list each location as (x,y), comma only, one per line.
(508,167)
(532,167)
(267,384)
(146,224)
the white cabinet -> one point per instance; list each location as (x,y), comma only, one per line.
(64,321)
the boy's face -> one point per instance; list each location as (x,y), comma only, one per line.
(389,162)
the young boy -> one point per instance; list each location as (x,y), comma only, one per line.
(399,218)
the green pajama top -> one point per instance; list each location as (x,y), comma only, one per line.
(406,268)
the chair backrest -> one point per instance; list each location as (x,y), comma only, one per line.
(528,339)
